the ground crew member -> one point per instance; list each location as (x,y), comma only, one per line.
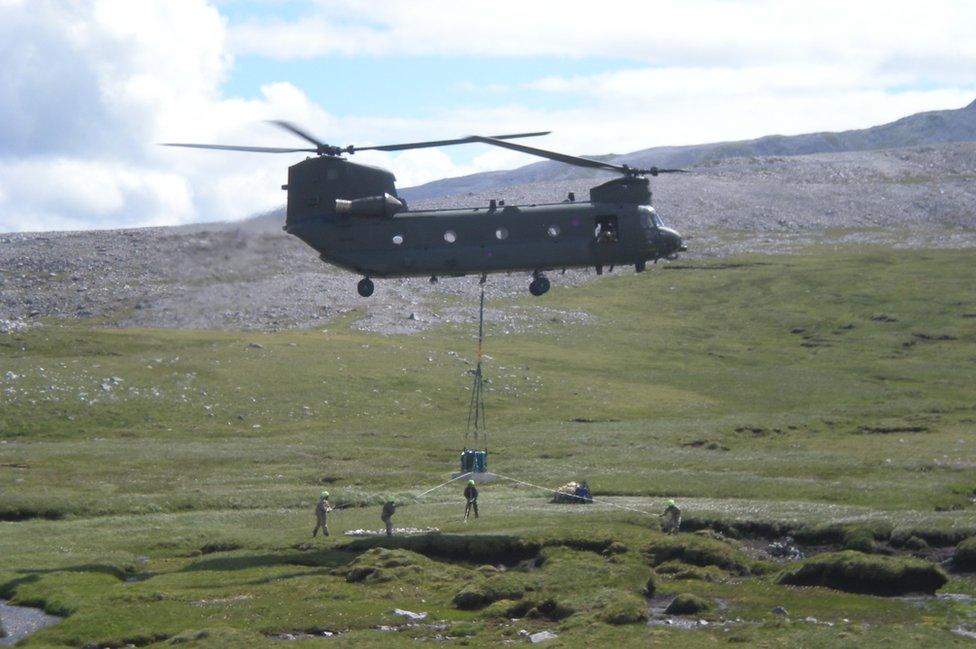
(389,508)
(322,509)
(471,496)
(672,518)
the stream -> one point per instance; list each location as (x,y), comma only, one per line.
(22,621)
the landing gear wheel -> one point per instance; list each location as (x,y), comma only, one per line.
(539,285)
(365,287)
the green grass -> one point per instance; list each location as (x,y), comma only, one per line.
(857,572)
(828,393)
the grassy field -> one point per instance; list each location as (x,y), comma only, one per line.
(158,485)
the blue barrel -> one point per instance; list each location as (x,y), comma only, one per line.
(473,461)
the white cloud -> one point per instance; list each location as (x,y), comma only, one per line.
(88,87)
(702,32)
(665,106)
(74,194)
(701,70)
(85,89)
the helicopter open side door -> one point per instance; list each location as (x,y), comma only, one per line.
(606,229)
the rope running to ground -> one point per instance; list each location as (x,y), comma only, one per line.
(556,491)
(535,486)
(463,475)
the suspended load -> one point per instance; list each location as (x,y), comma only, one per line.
(474,461)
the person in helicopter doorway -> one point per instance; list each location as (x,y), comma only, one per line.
(605,232)
(672,518)
(322,509)
(471,498)
(389,508)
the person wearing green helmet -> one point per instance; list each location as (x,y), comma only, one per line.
(672,518)
(322,509)
(389,508)
(471,498)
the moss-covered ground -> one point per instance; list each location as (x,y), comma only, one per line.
(157,486)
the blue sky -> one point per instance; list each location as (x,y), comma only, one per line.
(417,86)
(89,87)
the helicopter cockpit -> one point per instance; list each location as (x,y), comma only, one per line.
(649,217)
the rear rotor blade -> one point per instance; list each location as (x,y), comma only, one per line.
(229,147)
(433,143)
(553,155)
(575,159)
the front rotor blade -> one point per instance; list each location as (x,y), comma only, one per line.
(432,143)
(229,147)
(553,155)
(288,126)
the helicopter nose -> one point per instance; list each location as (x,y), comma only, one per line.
(672,241)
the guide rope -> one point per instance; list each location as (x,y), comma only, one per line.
(556,491)
(463,475)
(535,486)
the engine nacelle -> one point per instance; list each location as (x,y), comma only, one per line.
(382,206)
(315,184)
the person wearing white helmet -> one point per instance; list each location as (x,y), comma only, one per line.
(672,518)
(322,509)
(471,498)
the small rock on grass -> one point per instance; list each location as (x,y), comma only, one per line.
(779,610)
(410,615)
(542,636)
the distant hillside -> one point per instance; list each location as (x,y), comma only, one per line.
(933,127)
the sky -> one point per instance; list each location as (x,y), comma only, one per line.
(88,88)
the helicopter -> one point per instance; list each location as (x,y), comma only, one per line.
(351,215)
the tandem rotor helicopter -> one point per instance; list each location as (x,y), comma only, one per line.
(351,215)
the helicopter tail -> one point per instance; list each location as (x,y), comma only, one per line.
(315,184)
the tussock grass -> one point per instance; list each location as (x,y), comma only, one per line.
(856,572)
(678,570)
(620,607)
(965,555)
(701,551)
(687,604)
(475,548)
(481,593)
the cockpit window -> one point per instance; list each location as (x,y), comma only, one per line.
(650,217)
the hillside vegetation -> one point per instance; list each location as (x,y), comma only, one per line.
(157,485)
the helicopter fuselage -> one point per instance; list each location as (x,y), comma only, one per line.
(489,239)
(374,235)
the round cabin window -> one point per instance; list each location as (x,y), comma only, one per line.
(397,239)
(450,236)
(553,231)
(501,234)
